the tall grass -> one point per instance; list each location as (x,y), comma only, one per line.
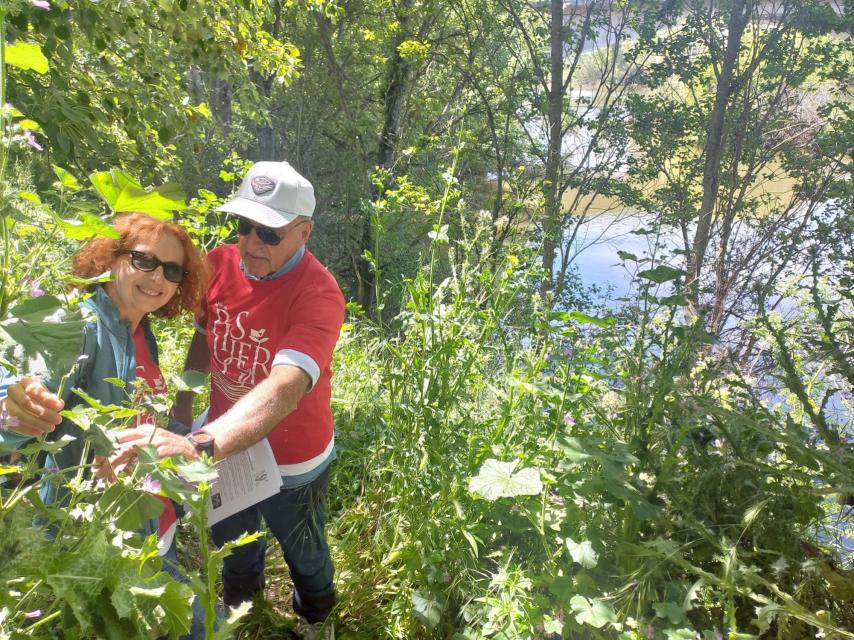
(676,502)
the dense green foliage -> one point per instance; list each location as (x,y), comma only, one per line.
(517,457)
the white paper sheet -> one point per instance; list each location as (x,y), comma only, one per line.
(246,478)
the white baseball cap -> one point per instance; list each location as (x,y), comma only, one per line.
(272,194)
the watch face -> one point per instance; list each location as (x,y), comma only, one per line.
(203,442)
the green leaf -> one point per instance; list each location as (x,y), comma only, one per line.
(131,506)
(197,470)
(52,447)
(190,380)
(124,194)
(680,634)
(661,273)
(29,196)
(42,337)
(670,610)
(582,553)
(562,587)
(176,599)
(675,301)
(592,612)
(584,318)
(87,227)
(552,625)
(497,480)
(426,608)
(65,178)
(26,55)
(627,255)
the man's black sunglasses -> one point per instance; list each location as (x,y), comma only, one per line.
(172,271)
(265,234)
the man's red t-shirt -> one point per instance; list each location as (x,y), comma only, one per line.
(249,322)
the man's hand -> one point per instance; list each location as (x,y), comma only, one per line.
(166,443)
(36,408)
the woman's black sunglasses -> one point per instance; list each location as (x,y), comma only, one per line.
(265,234)
(172,271)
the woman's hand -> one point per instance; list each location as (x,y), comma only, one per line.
(34,405)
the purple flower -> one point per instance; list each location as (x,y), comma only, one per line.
(150,485)
(568,420)
(35,289)
(32,615)
(41,4)
(30,139)
(7,421)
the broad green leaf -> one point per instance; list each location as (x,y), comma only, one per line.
(586,319)
(76,577)
(582,553)
(88,226)
(32,125)
(552,625)
(42,337)
(592,612)
(26,55)
(190,380)
(110,184)
(176,599)
(29,196)
(562,587)
(197,470)
(426,608)
(158,202)
(627,255)
(124,194)
(132,507)
(661,273)
(670,610)
(65,178)
(674,301)
(497,480)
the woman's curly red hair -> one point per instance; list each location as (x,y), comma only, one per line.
(97,256)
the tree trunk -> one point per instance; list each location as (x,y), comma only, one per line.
(551,222)
(740,11)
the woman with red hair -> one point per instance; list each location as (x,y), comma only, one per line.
(152,267)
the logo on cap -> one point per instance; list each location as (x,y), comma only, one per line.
(262,185)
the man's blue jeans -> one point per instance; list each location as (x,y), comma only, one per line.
(297,518)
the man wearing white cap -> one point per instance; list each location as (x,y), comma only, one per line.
(269,324)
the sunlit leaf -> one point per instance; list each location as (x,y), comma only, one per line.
(88,226)
(592,612)
(26,56)
(124,194)
(65,178)
(497,480)
(578,316)
(582,553)
(29,196)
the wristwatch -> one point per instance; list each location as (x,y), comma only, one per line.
(202,441)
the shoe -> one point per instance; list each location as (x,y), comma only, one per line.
(323,630)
